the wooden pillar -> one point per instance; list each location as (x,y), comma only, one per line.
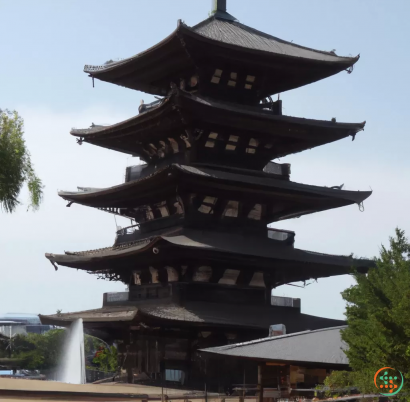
(206,379)
(269,280)
(128,364)
(260,381)
(242,397)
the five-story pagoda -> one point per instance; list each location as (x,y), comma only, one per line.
(200,261)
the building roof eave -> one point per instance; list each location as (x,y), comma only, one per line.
(105,197)
(198,314)
(216,245)
(310,133)
(322,346)
(102,315)
(146,70)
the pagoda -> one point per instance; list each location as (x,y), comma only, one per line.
(199,259)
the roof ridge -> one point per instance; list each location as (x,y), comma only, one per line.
(202,23)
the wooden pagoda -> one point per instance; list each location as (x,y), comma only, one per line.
(199,259)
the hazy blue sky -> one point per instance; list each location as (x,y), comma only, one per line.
(44,46)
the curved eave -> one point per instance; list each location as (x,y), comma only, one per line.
(122,251)
(198,314)
(125,135)
(220,314)
(188,102)
(102,316)
(217,246)
(143,66)
(132,191)
(97,70)
(170,57)
(117,130)
(102,131)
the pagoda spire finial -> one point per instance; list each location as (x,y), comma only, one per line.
(218,5)
(219,10)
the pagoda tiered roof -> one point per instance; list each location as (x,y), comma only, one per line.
(192,314)
(211,123)
(283,199)
(242,252)
(199,259)
(220,44)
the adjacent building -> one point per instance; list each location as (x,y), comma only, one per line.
(287,365)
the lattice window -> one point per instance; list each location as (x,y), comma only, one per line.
(172,274)
(232,80)
(217,76)
(154,274)
(250,79)
(230,276)
(231,209)
(210,143)
(232,142)
(257,280)
(202,274)
(253,144)
(208,205)
(256,212)
(163,209)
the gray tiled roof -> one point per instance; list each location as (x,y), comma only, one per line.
(105,314)
(323,265)
(197,313)
(219,175)
(247,316)
(321,346)
(235,33)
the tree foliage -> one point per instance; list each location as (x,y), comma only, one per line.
(106,359)
(378,316)
(44,351)
(16,168)
(39,352)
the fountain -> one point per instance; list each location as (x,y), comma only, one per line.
(72,366)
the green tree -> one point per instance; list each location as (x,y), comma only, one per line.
(39,351)
(44,351)
(106,359)
(16,168)
(378,317)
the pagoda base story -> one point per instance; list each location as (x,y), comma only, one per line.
(158,339)
(170,359)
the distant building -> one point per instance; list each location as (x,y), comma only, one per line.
(12,324)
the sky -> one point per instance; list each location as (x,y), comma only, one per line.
(45,45)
